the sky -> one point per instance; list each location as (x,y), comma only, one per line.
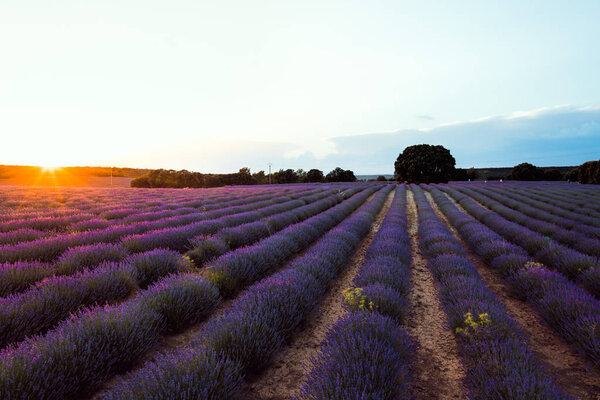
(214,86)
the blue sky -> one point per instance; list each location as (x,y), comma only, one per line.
(213,86)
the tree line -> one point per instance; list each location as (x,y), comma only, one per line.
(421,163)
(424,163)
(588,172)
(163,178)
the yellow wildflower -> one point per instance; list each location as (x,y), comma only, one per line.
(356,299)
(472,324)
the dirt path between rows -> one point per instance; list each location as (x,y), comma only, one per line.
(438,372)
(571,371)
(283,378)
(172,342)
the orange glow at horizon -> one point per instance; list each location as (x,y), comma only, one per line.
(51,169)
(46,175)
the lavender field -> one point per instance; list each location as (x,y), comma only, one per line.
(311,291)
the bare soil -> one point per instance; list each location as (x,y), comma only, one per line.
(438,372)
(571,371)
(284,377)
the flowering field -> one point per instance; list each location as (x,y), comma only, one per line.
(321,291)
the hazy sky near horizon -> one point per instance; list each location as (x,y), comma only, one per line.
(214,86)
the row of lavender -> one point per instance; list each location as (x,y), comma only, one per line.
(49,302)
(123,213)
(572,264)
(562,206)
(81,353)
(566,307)
(256,325)
(48,249)
(498,361)
(572,233)
(560,199)
(578,198)
(367,353)
(136,221)
(19,275)
(114,233)
(110,206)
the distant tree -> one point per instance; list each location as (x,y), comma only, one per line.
(460,174)
(589,172)
(526,172)
(381,178)
(315,175)
(301,174)
(472,174)
(573,175)
(341,175)
(162,178)
(187,179)
(243,177)
(140,182)
(260,177)
(552,175)
(212,181)
(424,163)
(285,176)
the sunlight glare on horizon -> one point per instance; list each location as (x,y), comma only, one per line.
(51,169)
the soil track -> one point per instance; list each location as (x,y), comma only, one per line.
(287,371)
(571,371)
(438,372)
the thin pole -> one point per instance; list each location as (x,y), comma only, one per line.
(269,173)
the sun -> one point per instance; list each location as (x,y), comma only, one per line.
(50,169)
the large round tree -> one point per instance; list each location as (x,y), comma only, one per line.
(341,175)
(526,172)
(424,163)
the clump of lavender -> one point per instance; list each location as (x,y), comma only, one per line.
(155,264)
(590,279)
(181,300)
(89,256)
(19,276)
(74,358)
(365,356)
(206,249)
(199,374)
(54,299)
